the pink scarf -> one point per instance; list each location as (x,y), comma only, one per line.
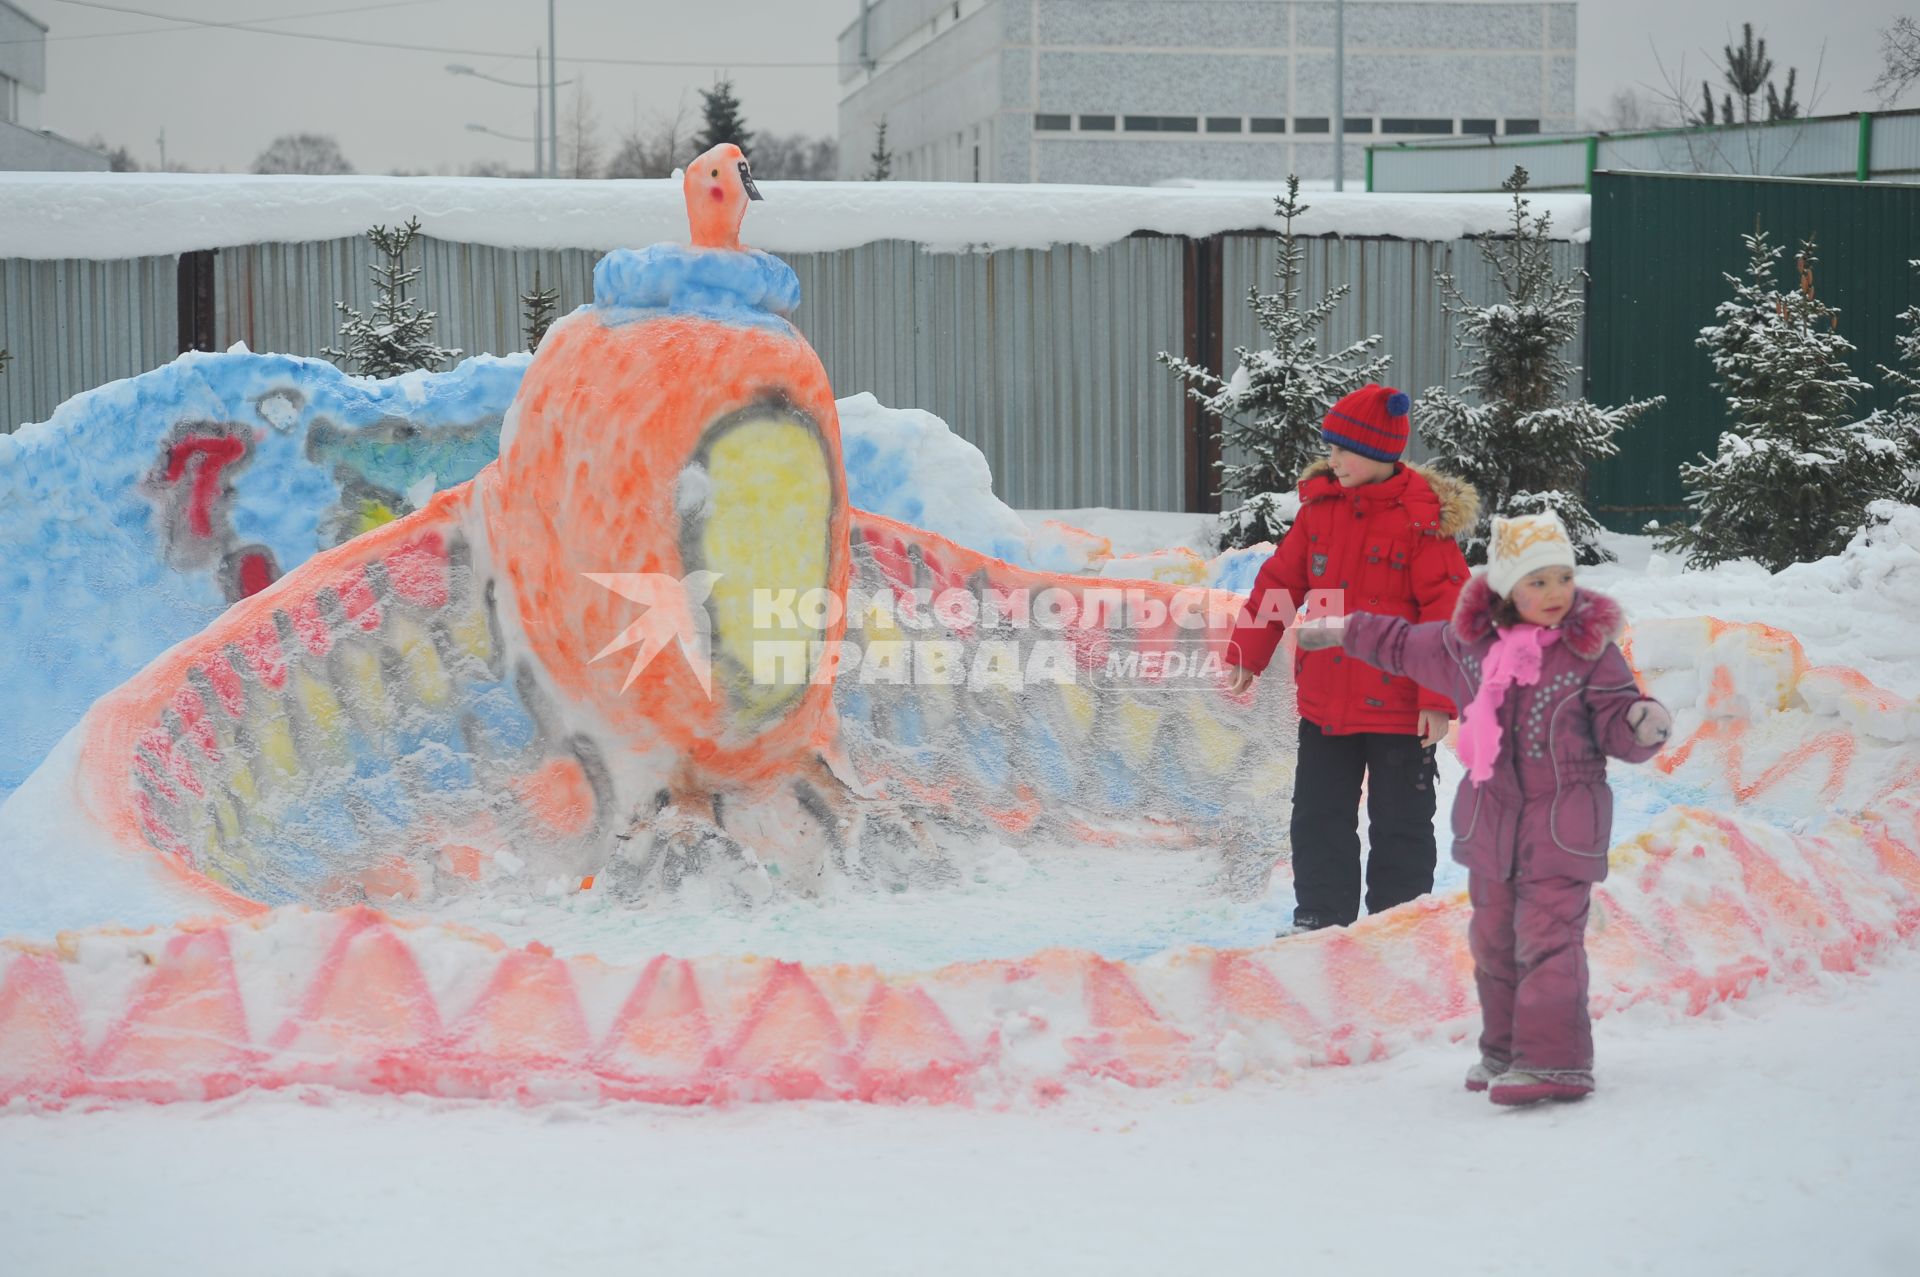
(1515,659)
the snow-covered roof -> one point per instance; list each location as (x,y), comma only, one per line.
(111,215)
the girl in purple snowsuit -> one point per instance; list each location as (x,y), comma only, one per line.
(1548,698)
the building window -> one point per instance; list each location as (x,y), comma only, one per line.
(1267,124)
(1486,128)
(1312,124)
(1223,124)
(1523,126)
(1359,125)
(9,101)
(1160,124)
(1096,124)
(976,162)
(1391,125)
(1053,123)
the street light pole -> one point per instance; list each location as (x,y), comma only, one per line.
(1339,95)
(541,94)
(553,97)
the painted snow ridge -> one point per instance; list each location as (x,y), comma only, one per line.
(1709,903)
(140,511)
(108,215)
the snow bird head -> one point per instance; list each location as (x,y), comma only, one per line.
(719,186)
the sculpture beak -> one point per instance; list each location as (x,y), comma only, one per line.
(746,180)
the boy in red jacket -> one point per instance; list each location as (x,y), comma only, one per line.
(1374,535)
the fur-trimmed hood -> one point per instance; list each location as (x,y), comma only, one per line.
(1444,504)
(1593,622)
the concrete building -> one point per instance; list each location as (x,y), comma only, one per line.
(1141,91)
(25,142)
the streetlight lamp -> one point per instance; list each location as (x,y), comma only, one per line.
(550,165)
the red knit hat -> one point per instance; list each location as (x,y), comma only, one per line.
(1371,421)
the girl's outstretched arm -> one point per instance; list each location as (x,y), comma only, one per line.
(1418,652)
(1620,728)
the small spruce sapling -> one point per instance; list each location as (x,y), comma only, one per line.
(398,336)
(1523,445)
(539,306)
(1794,475)
(1272,406)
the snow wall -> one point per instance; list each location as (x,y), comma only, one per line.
(1716,898)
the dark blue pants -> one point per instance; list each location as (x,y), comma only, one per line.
(1399,776)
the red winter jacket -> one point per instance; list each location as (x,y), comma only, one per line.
(1384,547)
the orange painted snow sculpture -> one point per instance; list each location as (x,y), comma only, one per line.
(651,646)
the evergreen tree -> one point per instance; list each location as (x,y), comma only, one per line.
(723,121)
(1272,407)
(1794,477)
(1748,75)
(398,336)
(1902,423)
(882,158)
(1525,447)
(540,305)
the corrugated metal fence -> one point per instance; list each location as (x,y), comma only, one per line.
(1045,359)
(1662,244)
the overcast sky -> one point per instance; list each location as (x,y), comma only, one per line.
(222,95)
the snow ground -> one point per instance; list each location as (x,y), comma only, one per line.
(1781,1135)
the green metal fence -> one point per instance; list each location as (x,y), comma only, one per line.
(1867,146)
(1661,243)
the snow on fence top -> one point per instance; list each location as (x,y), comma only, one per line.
(110,215)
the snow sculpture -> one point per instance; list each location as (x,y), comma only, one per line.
(650,646)
(1703,907)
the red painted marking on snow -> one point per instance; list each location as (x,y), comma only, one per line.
(1244,987)
(419,570)
(309,626)
(358,601)
(908,1050)
(40,1033)
(213,453)
(144,766)
(255,573)
(1131,1042)
(529,1014)
(661,1043)
(192,711)
(159,743)
(367,997)
(789,1044)
(185,1035)
(260,648)
(226,683)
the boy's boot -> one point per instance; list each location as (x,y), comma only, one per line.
(1305,921)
